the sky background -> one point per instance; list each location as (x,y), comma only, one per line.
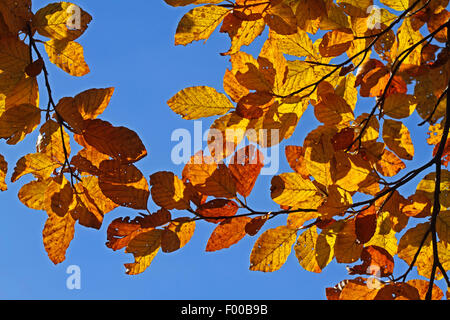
(129,45)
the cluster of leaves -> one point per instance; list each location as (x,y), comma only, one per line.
(101,176)
(353,153)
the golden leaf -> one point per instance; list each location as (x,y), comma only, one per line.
(397,137)
(290,189)
(67,55)
(3,171)
(313,255)
(199,24)
(144,247)
(199,102)
(177,234)
(17,122)
(272,249)
(57,234)
(54,21)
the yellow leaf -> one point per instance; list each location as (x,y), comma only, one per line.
(91,203)
(178,3)
(298,44)
(199,102)
(225,134)
(199,24)
(14,58)
(318,154)
(57,234)
(86,105)
(358,289)
(272,249)
(428,184)
(168,191)
(67,55)
(52,140)
(3,171)
(33,194)
(385,235)
(409,245)
(241,32)
(398,5)
(408,36)
(290,189)
(397,137)
(144,247)
(351,172)
(60,21)
(312,254)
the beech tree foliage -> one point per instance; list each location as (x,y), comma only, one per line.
(343,198)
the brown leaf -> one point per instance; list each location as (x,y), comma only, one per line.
(118,142)
(245,168)
(218,210)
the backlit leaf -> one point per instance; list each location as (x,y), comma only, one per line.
(272,249)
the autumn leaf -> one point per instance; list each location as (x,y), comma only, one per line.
(169,191)
(57,234)
(177,234)
(118,142)
(199,24)
(199,102)
(227,233)
(3,172)
(397,137)
(312,252)
(17,122)
(272,249)
(52,21)
(67,55)
(290,189)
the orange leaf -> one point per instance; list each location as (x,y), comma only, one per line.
(245,168)
(227,233)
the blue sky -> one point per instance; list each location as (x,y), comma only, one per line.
(129,45)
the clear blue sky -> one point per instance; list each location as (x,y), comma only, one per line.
(129,45)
